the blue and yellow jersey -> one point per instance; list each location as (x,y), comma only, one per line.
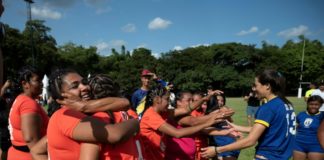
(137,97)
(307,127)
(277,140)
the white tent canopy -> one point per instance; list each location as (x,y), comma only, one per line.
(45,85)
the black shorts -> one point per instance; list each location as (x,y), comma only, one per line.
(5,142)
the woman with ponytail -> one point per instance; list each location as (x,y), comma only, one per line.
(275,122)
(27,119)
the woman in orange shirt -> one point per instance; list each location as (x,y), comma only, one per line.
(27,119)
(153,124)
(102,86)
(67,127)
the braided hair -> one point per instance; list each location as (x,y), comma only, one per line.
(55,88)
(157,91)
(103,86)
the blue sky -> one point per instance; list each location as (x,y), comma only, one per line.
(164,25)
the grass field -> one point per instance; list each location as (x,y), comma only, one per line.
(239,105)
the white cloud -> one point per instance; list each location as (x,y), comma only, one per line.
(198,45)
(45,12)
(143,45)
(129,28)
(156,55)
(177,48)
(117,43)
(104,47)
(294,32)
(251,30)
(264,32)
(159,23)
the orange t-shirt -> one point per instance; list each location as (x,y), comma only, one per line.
(132,113)
(150,137)
(124,150)
(200,139)
(61,146)
(23,105)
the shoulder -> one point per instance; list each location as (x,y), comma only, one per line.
(103,116)
(68,114)
(316,92)
(24,99)
(139,92)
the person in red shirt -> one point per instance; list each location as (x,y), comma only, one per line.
(201,139)
(185,147)
(27,119)
(102,86)
(68,127)
(153,124)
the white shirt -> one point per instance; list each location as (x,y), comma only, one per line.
(319,93)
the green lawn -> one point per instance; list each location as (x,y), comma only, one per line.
(239,105)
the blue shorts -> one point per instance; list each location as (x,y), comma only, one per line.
(250,110)
(306,148)
(234,153)
(225,140)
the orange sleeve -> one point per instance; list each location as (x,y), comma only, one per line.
(132,113)
(154,120)
(28,106)
(70,119)
(102,116)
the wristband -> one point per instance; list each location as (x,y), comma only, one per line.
(216,151)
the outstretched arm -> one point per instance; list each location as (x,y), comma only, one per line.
(183,110)
(178,133)
(192,121)
(248,141)
(92,106)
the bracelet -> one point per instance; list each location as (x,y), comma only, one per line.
(216,150)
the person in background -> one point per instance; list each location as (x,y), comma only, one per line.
(222,140)
(307,145)
(138,97)
(312,88)
(320,92)
(200,139)
(6,99)
(253,103)
(27,119)
(274,127)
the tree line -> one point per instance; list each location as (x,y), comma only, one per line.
(228,66)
